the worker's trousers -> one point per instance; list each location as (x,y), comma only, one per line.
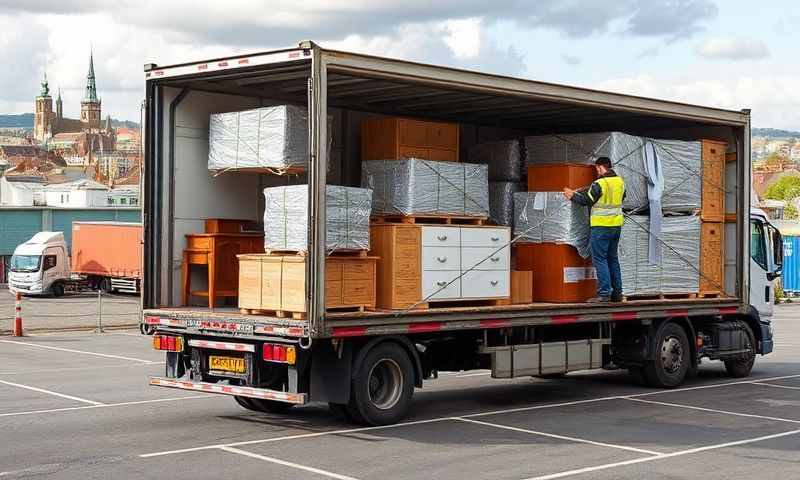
(604,242)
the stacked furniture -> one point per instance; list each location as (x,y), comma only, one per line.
(397,138)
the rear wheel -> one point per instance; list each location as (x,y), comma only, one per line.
(57,289)
(245,402)
(741,367)
(383,386)
(671,357)
(260,405)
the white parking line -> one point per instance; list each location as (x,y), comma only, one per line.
(775,386)
(440,419)
(71,369)
(287,464)
(105,405)
(106,355)
(712,410)
(50,392)
(607,466)
(559,437)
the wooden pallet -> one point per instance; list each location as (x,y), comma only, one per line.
(335,253)
(302,315)
(436,219)
(661,296)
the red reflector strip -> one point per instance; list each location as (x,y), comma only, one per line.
(285,331)
(425,327)
(237,347)
(677,313)
(728,310)
(349,331)
(495,323)
(624,316)
(564,319)
(167,322)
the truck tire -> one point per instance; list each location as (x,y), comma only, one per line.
(741,367)
(382,388)
(260,405)
(57,289)
(670,359)
(245,403)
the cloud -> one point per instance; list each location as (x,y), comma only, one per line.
(774,99)
(675,19)
(649,52)
(732,49)
(571,60)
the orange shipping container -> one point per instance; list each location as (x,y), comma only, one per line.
(112,249)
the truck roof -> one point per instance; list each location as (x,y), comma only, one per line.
(417,85)
(42,238)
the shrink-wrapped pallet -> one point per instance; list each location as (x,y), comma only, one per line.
(274,138)
(679,245)
(503,157)
(501,201)
(286,218)
(548,217)
(658,174)
(424,187)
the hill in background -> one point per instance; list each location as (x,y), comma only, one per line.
(774,133)
(25,120)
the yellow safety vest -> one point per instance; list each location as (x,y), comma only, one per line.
(607,211)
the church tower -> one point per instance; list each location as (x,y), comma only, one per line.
(43,116)
(90,106)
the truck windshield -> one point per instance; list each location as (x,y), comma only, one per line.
(25,263)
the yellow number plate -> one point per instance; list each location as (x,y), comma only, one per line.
(226,364)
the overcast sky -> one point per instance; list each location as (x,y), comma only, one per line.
(725,53)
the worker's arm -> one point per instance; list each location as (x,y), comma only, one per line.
(588,197)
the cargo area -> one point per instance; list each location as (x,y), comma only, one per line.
(205,202)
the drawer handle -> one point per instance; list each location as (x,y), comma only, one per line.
(494,283)
(441,283)
(441,238)
(441,259)
(495,259)
(494,239)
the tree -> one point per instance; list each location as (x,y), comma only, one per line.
(786,188)
(775,159)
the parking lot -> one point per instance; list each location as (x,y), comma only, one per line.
(77,405)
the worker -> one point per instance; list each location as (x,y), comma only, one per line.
(605,196)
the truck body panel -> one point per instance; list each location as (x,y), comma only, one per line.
(108,249)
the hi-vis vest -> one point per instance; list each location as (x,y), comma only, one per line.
(607,211)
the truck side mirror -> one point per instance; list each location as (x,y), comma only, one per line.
(777,248)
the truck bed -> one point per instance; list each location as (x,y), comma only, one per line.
(352,324)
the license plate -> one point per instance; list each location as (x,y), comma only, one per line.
(226,364)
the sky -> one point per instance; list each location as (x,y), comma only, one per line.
(724,53)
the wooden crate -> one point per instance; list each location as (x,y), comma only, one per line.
(553,178)
(398,138)
(277,283)
(712,207)
(712,258)
(521,287)
(560,275)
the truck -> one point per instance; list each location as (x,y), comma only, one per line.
(366,365)
(105,256)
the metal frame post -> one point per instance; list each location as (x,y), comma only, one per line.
(744,172)
(317,180)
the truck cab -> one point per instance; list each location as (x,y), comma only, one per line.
(40,265)
(766,263)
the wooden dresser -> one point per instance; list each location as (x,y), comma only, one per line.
(426,263)
(398,138)
(218,252)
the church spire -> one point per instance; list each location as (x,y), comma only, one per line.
(91,88)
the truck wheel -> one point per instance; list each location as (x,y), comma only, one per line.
(57,289)
(383,386)
(270,406)
(741,367)
(245,402)
(671,357)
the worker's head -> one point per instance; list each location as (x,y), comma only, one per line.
(602,165)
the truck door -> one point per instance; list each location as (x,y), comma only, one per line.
(51,270)
(766,258)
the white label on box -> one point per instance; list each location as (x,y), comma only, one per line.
(574,274)
(540,201)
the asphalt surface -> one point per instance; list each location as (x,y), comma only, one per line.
(76,406)
(72,311)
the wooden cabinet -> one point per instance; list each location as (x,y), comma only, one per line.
(398,138)
(712,258)
(217,251)
(559,273)
(553,178)
(712,206)
(421,263)
(278,282)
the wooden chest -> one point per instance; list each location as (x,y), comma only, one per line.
(559,274)
(398,138)
(435,263)
(278,282)
(713,184)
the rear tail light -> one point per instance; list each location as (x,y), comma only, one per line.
(168,342)
(274,352)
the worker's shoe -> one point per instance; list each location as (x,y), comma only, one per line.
(616,297)
(599,300)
